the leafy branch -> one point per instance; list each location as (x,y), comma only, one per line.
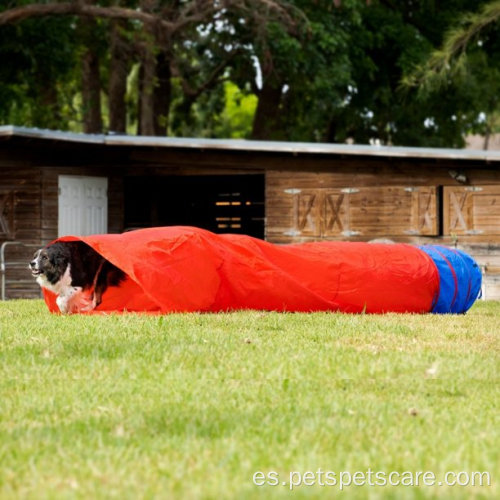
(451,58)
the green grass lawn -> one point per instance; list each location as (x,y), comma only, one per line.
(193,405)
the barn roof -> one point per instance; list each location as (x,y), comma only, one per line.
(294,148)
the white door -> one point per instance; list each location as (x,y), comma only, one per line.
(83,205)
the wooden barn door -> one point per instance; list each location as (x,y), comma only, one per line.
(470,210)
(364,211)
(307,212)
(83,205)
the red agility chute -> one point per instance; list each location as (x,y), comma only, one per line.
(174,269)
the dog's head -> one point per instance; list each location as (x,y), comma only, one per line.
(50,262)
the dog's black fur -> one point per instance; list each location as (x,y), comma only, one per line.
(69,268)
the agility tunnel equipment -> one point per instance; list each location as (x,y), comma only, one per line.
(183,269)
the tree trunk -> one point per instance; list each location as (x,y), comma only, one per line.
(91,93)
(118,72)
(146,92)
(139,104)
(162,94)
(91,84)
(331,131)
(267,113)
(48,114)
(486,143)
(147,76)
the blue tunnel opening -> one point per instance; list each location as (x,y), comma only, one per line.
(459,279)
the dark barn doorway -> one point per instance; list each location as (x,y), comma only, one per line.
(219,203)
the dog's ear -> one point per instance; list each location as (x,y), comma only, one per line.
(59,260)
(58,255)
(86,251)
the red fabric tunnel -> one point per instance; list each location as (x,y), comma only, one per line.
(174,269)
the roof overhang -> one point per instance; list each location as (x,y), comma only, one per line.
(294,148)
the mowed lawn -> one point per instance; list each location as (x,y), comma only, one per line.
(194,405)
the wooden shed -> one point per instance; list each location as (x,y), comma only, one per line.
(54,183)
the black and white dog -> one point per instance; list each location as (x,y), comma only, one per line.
(76,273)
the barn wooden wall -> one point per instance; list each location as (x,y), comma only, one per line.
(403,203)
(416,205)
(29,213)
(20,196)
(20,214)
(308,197)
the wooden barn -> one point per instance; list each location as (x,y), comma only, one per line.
(55,183)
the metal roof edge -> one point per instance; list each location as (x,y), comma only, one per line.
(6,130)
(293,148)
(36,133)
(303,147)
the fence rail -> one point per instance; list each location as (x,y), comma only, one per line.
(18,263)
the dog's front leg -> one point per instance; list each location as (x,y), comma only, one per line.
(69,301)
(62,302)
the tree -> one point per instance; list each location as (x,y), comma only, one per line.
(120,65)
(315,71)
(392,38)
(38,59)
(321,71)
(468,56)
(169,28)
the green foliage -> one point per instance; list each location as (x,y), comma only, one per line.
(237,117)
(450,59)
(226,112)
(192,405)
(391,41)
(309,63)
(197,118)
(37,74)
(466,62)
(339,67)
